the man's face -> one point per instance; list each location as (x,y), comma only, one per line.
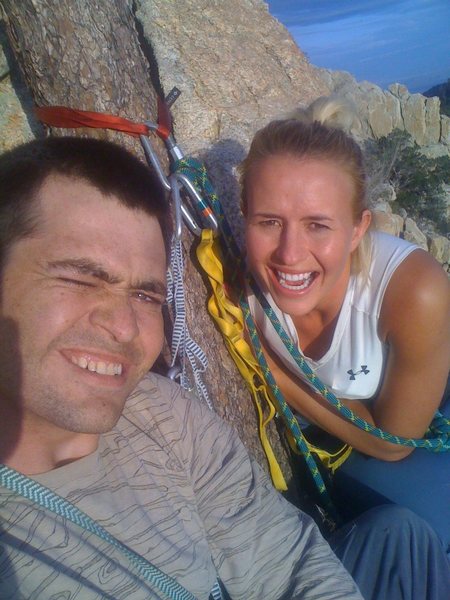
(81,319)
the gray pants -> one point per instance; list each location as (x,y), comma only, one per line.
(393,554)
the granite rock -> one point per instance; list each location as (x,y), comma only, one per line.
(413,234)
(439,247)
(237,68)
(382,111)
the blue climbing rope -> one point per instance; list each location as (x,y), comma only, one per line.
(37,493)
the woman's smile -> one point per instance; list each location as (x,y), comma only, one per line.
(300,231)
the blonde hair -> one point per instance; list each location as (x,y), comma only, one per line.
(321,131)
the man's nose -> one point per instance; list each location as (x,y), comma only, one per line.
(115,314)
(292,246)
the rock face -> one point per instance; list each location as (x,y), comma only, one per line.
(382,111)
(14,125)
(237,68)
(439,247)
(383,219)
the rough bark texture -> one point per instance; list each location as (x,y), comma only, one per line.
(89,54)
(84,54)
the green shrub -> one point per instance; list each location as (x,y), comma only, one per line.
(417,180)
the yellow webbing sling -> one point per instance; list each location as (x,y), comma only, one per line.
(230,321)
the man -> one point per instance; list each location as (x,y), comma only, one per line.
(83,232)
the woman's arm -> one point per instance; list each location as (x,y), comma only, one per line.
(414,322)
(313,407)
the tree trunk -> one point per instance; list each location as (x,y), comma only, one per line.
(89,54)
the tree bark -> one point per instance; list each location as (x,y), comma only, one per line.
(83,54)
(88,54)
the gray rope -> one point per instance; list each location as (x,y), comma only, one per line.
(184,348)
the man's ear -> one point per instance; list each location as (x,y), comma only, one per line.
(360,228)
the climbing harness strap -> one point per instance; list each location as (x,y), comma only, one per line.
(61,116)
(32,490)
(183,348)
(230,320)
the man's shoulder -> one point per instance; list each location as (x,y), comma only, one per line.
(153,386)
(155,394)
(161,407)
(175,428)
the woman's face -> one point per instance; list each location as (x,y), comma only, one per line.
(300,232)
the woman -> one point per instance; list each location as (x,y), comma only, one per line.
(370,312)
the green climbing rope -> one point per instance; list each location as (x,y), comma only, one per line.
(436,439)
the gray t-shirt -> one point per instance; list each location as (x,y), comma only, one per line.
(174,483)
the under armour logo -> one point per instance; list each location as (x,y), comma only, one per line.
(353,374)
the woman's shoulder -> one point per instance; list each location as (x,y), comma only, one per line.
(418,290)
(386,253)
(421,275)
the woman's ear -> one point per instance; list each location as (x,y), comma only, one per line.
(360,228)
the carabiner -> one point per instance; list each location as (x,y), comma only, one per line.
(172,185)
(154,161)
(171,145)
(181,211)
(174,372)
(202,207)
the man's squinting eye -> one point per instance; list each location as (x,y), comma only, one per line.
(150,299)
(76,282)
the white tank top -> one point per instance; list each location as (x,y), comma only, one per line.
(354,364)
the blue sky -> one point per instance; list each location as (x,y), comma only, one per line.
(381,41)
